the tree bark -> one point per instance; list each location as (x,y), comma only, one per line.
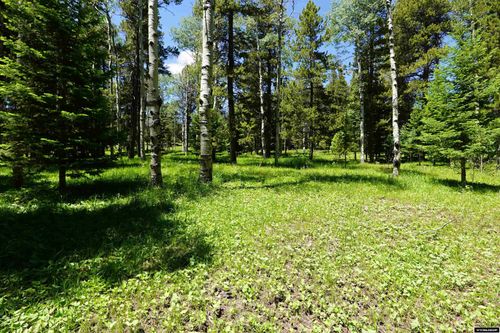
(304,138)
(17,176)
(186,120)
(132,121)
(311,129)
(361,106)
(206,92)
(142,102)
(262,109)
(114,80)
(230,88)
(185,139)
(269,105)
(110,65)
(396,162)
(277,148)
(463,171)
(153,97)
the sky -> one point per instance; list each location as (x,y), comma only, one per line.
(171,16)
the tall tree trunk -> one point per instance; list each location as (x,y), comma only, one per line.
(132,121)
(17,175)
(277,148)
(396,162)
(215,108)
(186,121)
(269,105)
(153,97)
(262,109)
(463,171)
(230,88)
(114,80)
(138,97)
(304,138)
(142,103)
(311,129)
(206,92)
(117,94)
(361,106)
(110,66)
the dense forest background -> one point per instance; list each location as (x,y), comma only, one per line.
(423,85)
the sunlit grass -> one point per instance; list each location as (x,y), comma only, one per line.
(306,246)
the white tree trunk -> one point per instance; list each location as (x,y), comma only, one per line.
(262,109)
(205,92)
(361,107)
(114,81)
(230,88)
(277,149)
(396,162)
(185,120)
(153,97)
(142,102)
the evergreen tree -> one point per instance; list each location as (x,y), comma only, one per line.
(310,36)
(56,112)
(420,28)
(460,104)
(359,22)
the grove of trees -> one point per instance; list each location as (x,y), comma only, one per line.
(77,89)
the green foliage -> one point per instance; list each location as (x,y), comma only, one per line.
(420,28)
(53,107)
(351,19)
(188,34)
(458,119)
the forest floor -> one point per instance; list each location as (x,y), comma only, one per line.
(302,247)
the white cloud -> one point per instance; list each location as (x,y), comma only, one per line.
(185,58)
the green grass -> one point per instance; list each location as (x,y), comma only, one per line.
(303,247)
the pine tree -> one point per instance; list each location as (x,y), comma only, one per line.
(358,22)
(310,36)
(460,103)
(419,28)
(54,84)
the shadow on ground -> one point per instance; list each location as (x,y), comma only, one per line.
(52,243)
(454,184)
(294,161)
(266,180)
(475,186)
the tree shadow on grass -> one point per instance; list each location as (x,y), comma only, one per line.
(454,183)
(55,244)
(353,178)
(265,180)
(474,186)
(105,188)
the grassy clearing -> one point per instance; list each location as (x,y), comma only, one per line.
(303,247)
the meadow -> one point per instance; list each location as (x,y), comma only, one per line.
(317,246)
